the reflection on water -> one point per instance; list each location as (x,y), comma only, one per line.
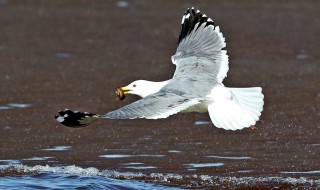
(116,156)
(245,171)
(4,107)
(132,163)
(64,55)
(201,165)
(301,172)
(14,105)
(202,122)
(37,158)
(127,156)
(303,54)
(174,151)
(122,4)
(10,161)
(230,158)
(59,148)
(141,167)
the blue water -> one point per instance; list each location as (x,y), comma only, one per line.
(18,176)
(70,177)
(70,181)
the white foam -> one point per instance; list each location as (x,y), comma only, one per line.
(182,180)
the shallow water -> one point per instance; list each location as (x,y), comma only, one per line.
(46,177)
(56,55)
(71,177)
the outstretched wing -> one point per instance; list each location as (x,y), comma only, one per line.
(154,106)
(200,48)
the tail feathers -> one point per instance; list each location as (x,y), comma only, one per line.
(251,99)
(241,111)
(76,119)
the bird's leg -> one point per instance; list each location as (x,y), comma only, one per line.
(253,127)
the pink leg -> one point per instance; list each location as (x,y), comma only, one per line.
(253,127)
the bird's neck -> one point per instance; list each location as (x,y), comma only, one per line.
(152,87)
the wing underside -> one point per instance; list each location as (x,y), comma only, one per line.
(155,106)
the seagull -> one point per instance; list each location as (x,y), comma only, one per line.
(196,85)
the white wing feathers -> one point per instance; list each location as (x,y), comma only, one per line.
(205,40)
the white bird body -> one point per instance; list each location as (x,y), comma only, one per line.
(237,107)
(196,86)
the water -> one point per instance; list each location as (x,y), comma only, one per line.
(77,52)
(72,177)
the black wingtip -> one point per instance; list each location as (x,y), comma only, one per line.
(189,21)
(73,119)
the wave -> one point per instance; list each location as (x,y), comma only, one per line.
(92,177)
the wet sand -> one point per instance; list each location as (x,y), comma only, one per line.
(58,54)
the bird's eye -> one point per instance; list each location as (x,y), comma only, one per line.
(134,85)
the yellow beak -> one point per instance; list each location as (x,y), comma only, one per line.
(125,90)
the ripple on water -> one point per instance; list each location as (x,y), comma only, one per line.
(64,55)
(130,155)
(174,151)
(245,171)
(231,157)
(4,107)
(10,161)
(301,172)
(59,148)
(132,163)
(37,158)
(140,167)
(137,166)
(204,165)
(122,4)
(146,138)
(14,105)
(116,156)
(202,122)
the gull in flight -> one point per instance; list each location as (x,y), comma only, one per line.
(196,85)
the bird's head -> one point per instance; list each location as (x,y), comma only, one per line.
(142,88)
